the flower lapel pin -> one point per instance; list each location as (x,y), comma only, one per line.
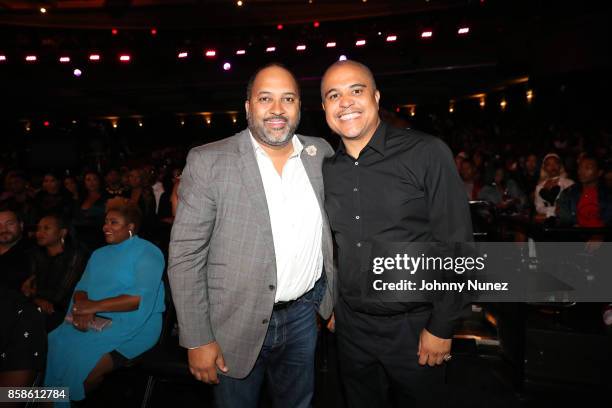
(311,150)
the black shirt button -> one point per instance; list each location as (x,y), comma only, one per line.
(264,321)
(356,163)
(271,287)
(355,189)
(356,217)
(359,245)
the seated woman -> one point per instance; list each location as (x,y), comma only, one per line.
(122,282)
(53,197)
(57,266)
(89,215)
(503,192)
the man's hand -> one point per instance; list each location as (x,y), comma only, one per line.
(331,323)
(204,361)
(44,305)
(432,349)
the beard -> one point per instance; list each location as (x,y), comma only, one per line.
(8,238)
(269,137)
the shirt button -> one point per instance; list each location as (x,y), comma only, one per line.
(359,245)
(355,189)
(356,163)
(356,217)
(264,321)
(271,287)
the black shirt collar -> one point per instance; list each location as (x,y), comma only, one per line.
(377,142)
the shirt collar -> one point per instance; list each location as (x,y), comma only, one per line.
(377,142)
(297,146)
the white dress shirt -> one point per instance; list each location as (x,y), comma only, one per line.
(296,220)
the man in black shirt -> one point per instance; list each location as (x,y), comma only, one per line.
(392,185)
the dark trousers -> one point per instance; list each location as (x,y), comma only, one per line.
(379,363)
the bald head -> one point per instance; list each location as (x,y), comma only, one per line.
(350,64)
(350,100)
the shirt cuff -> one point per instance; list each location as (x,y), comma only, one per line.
(440,326)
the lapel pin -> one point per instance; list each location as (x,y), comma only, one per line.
(311,150)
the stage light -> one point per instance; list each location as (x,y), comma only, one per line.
(270,49)
(463,30)
(240,52)
(279,27)
(64,60)
(208,121)
(43,10)
(503,104)
(239,3)
(330,44)
(451,106)
(482,102)
(234,120)
(412,110)
(125,58)
(210,53)
(154,31)
(31,58)
(77,72)
(182,123)
(391,38)
(360,43)
(316,24)
(46,123)
(529,95)
(114,31)
(427,34)
(140,124)
(94,57)
(227,66)
(115,124)
(300,47)
(183,54)
(2,58)
(342,58)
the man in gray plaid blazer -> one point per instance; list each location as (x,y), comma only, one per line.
(251,252)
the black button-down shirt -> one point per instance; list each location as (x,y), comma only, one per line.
(403,187)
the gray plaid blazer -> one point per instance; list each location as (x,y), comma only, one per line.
(222,267)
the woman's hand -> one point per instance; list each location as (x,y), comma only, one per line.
(85,307)
(81,322)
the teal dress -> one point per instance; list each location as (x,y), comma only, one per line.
(132,267)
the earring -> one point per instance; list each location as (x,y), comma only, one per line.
(131,235)
(62,240)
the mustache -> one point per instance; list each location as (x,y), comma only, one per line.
(276,117)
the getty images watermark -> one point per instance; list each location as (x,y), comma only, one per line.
(487,271)
(410,265)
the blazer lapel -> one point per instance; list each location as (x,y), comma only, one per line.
(251,178)
(313,170)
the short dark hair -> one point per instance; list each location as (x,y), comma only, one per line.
(249,88)
(11,209)
(129,211)
(593,159)
(62,220)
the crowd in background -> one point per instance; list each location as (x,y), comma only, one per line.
(52,220)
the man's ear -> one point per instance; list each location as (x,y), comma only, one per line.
(377,96)
(323,106)
(246,109)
